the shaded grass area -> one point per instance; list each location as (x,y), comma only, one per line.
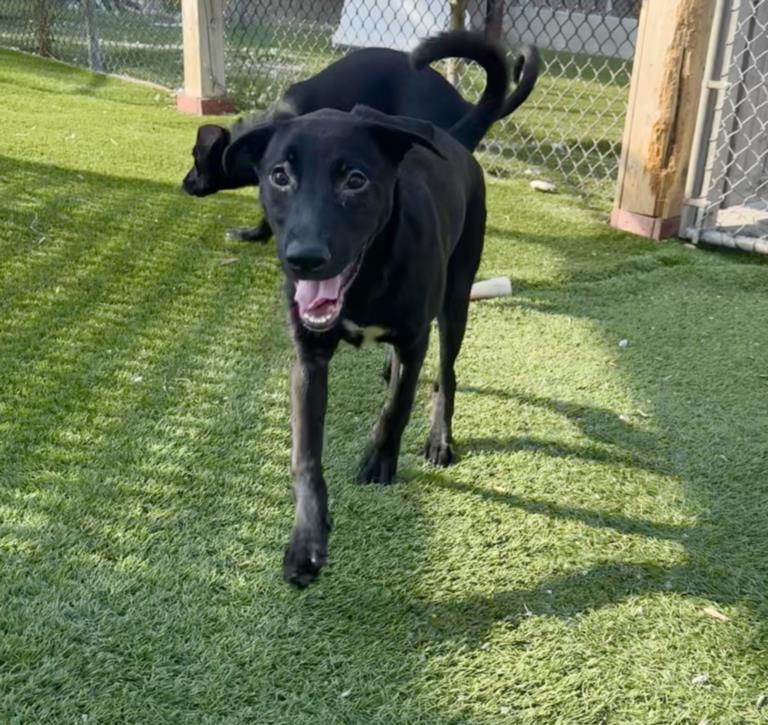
(557,573)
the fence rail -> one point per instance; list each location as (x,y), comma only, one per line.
(570,127)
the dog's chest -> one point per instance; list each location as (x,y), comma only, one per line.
(358,335)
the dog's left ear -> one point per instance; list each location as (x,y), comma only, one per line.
(249,147)
(209,135)
(398,134)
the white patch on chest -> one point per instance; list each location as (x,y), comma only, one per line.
(367,334)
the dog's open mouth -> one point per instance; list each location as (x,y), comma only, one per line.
(320,301)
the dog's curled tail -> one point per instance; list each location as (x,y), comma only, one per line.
(525,73)
(470,130)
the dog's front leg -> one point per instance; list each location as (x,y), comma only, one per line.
(308,548)
(380,465)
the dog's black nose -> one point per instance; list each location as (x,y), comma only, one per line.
(307,257)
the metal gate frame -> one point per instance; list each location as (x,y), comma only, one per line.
(698,221)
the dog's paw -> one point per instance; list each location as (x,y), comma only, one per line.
(305,556)
(439,452)
(378,467)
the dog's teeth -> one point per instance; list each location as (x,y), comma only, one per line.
(314,319)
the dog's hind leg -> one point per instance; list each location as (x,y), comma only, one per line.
(452,322)
(380,465)
(261,233)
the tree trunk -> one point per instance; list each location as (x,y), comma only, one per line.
(41,19)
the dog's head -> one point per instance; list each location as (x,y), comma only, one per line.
(207,175)
(327,186)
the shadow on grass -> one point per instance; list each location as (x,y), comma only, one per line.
(593,518)
(471,618)
(73,67)
(586,416)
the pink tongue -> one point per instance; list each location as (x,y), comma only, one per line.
(311,294)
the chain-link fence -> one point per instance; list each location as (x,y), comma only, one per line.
(137,38)
(727,200)
(571,125)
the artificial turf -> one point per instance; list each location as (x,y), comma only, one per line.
(605,496)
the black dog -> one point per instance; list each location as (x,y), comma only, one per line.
(379,223)
(381,78)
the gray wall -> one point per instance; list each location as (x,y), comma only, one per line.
(328,12)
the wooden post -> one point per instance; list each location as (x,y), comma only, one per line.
(454,66)
(672,41)
(204,78)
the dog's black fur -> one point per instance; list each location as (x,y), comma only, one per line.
(380,78)
(390,212)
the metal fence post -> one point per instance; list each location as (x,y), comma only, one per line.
(672,44)
(494,19)
(94,52)
(204,76)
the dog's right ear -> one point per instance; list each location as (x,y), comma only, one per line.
(209,135)
(248,148)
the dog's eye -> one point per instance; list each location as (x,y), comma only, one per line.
(355,181)
(279,177)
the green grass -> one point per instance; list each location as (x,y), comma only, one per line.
(557,574)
